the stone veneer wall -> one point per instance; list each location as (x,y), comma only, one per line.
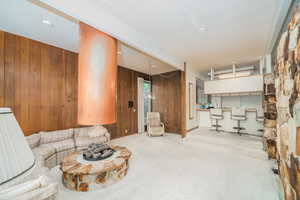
(269,137)
(287,84)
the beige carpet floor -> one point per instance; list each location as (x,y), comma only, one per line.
(205,166)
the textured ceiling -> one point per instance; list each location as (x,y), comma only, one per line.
(203,33)
(235,30)
(25,18)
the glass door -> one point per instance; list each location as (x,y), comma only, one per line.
(147,99)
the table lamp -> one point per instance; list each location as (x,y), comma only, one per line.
(16,157)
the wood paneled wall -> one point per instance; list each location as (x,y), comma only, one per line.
(168,92)
(39,83)
(127,118)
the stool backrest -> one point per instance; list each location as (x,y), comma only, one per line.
(260,113)
(238,111)
(216,111)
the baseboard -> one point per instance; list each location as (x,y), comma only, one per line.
(192,129)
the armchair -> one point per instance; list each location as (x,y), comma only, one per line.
(154,126)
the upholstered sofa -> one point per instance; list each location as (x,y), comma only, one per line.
(51,147)
(40,188)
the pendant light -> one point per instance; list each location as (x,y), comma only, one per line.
(97,77)
(150,96)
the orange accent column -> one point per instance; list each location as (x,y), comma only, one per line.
(97,76)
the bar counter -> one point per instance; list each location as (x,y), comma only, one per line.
(250,124)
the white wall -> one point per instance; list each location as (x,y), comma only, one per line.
(190,77)
(249,101)
(252,83)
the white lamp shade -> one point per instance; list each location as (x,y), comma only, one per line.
(16,156)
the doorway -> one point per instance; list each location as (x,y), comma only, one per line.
(147,100)
(144,103)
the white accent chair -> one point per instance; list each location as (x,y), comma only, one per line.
(154,126)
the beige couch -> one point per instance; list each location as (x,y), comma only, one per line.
(51,147)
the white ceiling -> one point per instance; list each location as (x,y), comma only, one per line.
(25,18)
(235,30)
(141,62)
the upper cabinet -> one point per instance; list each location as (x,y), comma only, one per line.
(234,85)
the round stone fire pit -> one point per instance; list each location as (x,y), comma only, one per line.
(84,175)
(97,152)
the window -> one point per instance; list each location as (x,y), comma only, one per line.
(147,99)
(201,98)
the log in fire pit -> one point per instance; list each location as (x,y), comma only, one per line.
(97,152)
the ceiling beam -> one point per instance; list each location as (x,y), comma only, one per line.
(89,13)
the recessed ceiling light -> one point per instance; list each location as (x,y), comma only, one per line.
(47,22)
(202,28)
(153,66)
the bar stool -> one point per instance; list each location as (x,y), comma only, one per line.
(260,117)
(216,114)
(238,114)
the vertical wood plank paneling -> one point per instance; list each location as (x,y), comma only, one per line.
(34,118)
(58,88)
(69,114)
(58,83)
(2,80)
(183,89)
(75,97)
(135,100)
(9,62)
(46,91)
(167,92)
(39,82)
(22,79)
(127,119)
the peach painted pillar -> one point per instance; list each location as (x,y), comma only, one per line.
(97,76)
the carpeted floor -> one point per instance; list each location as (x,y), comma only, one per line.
(206,166)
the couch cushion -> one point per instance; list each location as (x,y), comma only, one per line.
(92,131)
(86,141)
(61,155)
(97,131)
(44,151)
(55,136)
(33,140)
(81,132)
(63,145)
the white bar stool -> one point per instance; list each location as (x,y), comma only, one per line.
(216,114)
(238,114)
(260,117)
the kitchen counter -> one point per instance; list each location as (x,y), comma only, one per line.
(226,109)
(250,124)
